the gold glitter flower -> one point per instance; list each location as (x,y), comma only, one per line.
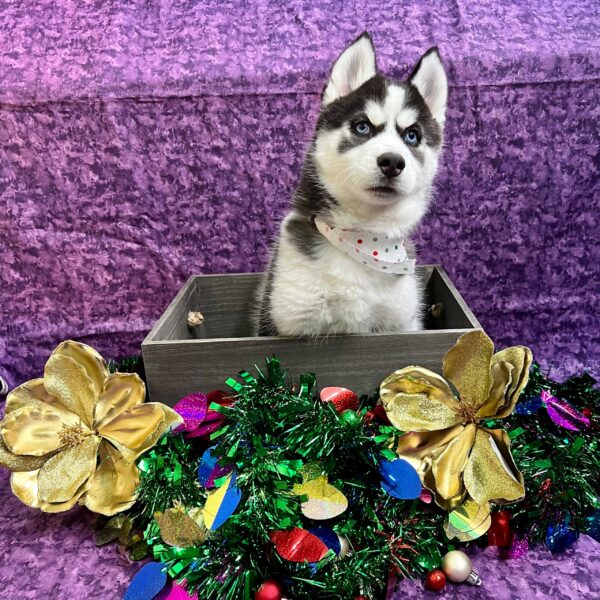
(74,435)
(464,464)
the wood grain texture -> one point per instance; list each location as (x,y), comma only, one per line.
(179,361)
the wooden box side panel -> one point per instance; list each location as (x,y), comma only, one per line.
(456,313)
(360,363)
(173,322)
(227,303)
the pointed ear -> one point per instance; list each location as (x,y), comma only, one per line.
(355,65)
(429,78)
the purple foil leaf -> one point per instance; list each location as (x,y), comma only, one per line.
(563,414)
(193,409)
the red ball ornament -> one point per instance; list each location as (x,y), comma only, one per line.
(377,414)
(500,532)
(269,590)
(587,412)
(361,597)
(435,580)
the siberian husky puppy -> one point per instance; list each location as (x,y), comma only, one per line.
(340,264)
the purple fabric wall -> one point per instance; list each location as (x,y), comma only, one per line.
(142,143)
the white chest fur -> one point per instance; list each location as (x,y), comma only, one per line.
(334,294)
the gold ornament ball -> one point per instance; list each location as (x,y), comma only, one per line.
(457,566)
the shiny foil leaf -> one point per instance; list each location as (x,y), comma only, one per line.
(298,545)
(179,529)
(341,398)
(222,503)
(399,479)
(324,501)
(147,582)
(563,414)
(468,522)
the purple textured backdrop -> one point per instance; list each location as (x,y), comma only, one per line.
(143,142)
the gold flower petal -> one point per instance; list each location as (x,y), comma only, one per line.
(17,462)
(170,421)
(69,382)
(24,487)
(445,503)
(490,474)
(113,485)
(419,400)
(421,448)
(85,356)
(520,358)
(448,468)
(35,431)
(56,507)
(501,379)
(135,426)
(417,380)
(467,366)
(64,474)
(468,522)
(30,393)
(121,392)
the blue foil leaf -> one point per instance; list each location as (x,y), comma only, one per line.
(592,525)
(209,469)
(222,503)
(528,406)
(328,537)
(561,536)
(399,479)
(147,582)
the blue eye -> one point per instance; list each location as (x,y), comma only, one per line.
(362,128)
(411,137)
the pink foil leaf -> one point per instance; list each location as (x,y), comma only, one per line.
(193,409)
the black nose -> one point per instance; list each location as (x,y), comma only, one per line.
(391,164)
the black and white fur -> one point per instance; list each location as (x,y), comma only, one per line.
(313,288)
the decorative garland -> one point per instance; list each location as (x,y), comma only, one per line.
(281,489)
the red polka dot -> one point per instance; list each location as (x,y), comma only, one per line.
(375,253)
(359,241)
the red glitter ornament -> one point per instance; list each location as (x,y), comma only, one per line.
(298,545)
(269,590)
(435,580)
(341,398)
(500,532)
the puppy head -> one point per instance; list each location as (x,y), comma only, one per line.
(378,141)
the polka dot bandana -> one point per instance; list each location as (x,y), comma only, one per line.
(374,250)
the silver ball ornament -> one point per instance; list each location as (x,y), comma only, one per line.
(344,545)
(458,568)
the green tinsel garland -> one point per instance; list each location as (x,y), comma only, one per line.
(561,467)
(274,431)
